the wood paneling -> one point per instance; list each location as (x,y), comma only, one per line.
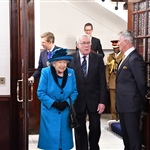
(5,123)
(130,27)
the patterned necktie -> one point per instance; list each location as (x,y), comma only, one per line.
(84,66)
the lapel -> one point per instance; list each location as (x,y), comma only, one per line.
(93,40)
(44,57)
(119,58)
(124,62)
(77,64)
(91,64)
(55,47)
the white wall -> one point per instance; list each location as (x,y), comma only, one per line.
(5,47)
(67,18)
(66,21)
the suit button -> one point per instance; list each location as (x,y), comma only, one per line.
(59,112)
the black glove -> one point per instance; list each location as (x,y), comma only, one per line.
(55,104)
(61,105)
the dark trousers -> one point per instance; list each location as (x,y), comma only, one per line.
(83,140)
(130,127)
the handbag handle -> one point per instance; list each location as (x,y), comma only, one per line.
(71,106)
(70,101)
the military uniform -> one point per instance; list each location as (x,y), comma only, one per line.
(112,62)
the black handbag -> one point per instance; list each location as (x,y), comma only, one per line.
(72,116)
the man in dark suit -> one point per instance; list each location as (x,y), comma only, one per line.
(91,86)
(47,42)
(130,91)
(96,46)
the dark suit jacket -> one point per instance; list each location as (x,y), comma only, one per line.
(92,89)
(42,63)
(96,46)
(131,84)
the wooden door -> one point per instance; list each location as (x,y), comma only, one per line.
(28,105)
(22,81)
(22,46)
(34,103)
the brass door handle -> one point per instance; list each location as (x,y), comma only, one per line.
(31,93)
(19,92)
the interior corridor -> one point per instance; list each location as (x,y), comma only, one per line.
(108,141)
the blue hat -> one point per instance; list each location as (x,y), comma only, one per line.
(60,54)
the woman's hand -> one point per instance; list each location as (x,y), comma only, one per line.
(60,105)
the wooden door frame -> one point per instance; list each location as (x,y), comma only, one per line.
(16,142)
(14,68)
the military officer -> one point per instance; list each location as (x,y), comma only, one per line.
(112,62)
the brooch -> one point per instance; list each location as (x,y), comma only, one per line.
(124,67)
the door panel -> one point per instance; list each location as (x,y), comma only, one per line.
(25,113)
(34,110)
(34,105)
(4,123)
(29,109)
(22,84)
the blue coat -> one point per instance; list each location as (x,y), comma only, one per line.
(55,132)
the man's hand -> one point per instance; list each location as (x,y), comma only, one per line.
(101,108)
(31,80)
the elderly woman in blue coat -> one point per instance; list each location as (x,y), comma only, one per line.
(57,83)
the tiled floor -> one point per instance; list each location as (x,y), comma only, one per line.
(108,140)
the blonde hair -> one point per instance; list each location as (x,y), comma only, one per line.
(49,35)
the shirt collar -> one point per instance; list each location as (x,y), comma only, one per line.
(81,56)
(129,51)
(50,50)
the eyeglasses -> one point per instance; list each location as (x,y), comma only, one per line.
(86,30)
(86,43)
